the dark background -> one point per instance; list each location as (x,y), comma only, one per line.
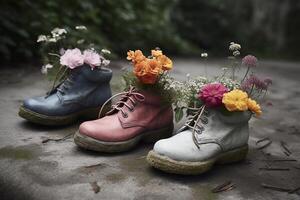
(266,28)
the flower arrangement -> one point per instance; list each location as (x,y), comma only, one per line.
(226,92)
(148,70)
(59,61)
(150,73)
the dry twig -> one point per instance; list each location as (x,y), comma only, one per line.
(285,148)
(56,139)
(223,187)
(274,169)
(277,188)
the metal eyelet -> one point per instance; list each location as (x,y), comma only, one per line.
(125,115)
(206,113)
(204,120)
(201,128)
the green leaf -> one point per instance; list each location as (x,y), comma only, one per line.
(178,114)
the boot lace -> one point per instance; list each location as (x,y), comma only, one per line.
(132,95)
(66,84)
(196,122)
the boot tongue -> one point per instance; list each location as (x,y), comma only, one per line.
(203,120)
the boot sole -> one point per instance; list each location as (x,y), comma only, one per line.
(90,143)
(37,118)
(169,165)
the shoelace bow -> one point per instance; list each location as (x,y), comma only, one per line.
(131,94)
(193,122)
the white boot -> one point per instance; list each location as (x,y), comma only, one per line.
(215,138)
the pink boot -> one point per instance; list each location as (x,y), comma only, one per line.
(137,116)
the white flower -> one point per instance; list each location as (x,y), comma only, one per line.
(58,31)
(224,68)
(42,38)
(105,51)
(52,40)
(204,55)
(81,27)
(105,62)
(236,53)
(45,68)
(80,41)
(234,46)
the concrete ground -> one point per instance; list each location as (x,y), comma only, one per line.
(31,169)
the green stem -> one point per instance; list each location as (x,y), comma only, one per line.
(246,74)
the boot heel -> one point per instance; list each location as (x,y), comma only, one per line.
(153,136)
(94,112)
(232,156)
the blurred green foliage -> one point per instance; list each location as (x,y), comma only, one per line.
(117,25)
(267,28)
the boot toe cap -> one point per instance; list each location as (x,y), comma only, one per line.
(32,104)
(88,128)
(169,149)
(182,148)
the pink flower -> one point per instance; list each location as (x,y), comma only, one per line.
(268,81)
(72,58)
(211,94)
(254,81)
(249,61)
(92,58)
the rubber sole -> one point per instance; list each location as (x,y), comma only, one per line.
(169,165)
(37,118)
(89,143)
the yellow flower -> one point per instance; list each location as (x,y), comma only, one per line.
(156,53)
(254,107)
(236,100)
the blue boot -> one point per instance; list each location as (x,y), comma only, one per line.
(81,95)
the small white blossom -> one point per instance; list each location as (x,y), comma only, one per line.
(236,53)
(42,38)
(81,27)
(80,41)
(204,55)
(105,51)
(105,62)
(224,68)
(234,46)
(58,32)
(52,40)
(45,68)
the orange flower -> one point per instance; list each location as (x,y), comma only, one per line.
(156,53)
(148,79)
(135,56)
(154,66)
(147,70)
(140,68)
(166,62)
